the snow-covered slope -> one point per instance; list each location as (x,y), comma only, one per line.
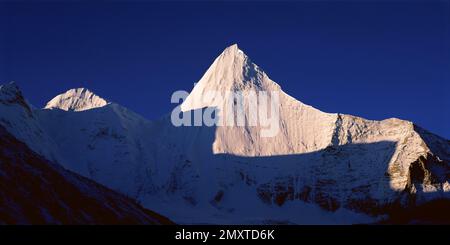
(36,191)
(303,128)
(19,118)
(319,168)
(109,144)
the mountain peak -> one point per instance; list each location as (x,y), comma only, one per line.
(11,94)
(77,99)
(233,50)
(9,90)
(233,57)
(233,46)
(232,70)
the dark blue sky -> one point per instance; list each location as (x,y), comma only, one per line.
(375,60)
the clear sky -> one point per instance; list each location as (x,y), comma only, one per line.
(375,60)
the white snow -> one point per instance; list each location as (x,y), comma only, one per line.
(78,99)
(18,117)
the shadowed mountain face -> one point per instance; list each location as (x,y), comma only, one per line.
(340,184)
(332,178)
(321,168)
(36,191)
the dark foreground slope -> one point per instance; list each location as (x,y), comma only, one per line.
(36,191)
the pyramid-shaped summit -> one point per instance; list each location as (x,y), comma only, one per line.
(78,99)
(232,70)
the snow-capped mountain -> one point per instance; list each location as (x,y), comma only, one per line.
(337,161)
(108,143)
(20,119)
(319,168)
(79,99)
